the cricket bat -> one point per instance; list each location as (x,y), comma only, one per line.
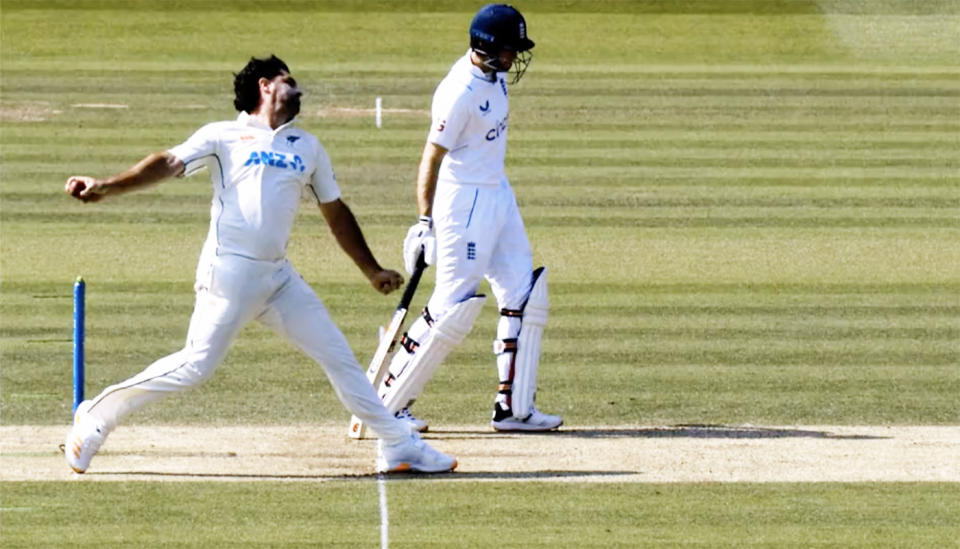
(388,340)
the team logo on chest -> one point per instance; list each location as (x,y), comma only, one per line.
(485,108)
(498,130)
(277,160)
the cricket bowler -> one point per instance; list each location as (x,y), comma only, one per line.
(260,165)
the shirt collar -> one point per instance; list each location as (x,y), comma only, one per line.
(476,71)
(245,119)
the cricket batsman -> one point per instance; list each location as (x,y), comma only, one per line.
(470,228)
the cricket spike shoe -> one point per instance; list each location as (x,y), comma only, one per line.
(415,423)
(413,455)
(504,421)
(84,439)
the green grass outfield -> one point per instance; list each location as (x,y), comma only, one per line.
(436,514)
(750,211)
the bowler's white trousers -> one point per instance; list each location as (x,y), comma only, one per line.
(230,292)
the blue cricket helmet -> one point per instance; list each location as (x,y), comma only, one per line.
(498,27)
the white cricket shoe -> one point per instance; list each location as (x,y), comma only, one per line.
(84,439)
(417,424)
(413,455)
(503,420)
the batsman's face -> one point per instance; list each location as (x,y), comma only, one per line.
(505,59)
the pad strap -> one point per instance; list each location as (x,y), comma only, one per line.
(427,317)
(410,372)
(409,343)
(501,346)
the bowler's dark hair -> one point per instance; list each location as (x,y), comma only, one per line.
(246,83)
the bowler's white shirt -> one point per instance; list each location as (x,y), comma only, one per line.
(470,120)
(258,176)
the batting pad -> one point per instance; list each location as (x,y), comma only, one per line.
(445,334)
(528,346)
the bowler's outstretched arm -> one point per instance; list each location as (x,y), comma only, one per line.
(154,168)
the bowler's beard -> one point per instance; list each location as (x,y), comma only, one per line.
(292,107)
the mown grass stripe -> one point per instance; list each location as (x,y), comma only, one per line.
(39,287)
(628,158)
(523,177)
(611,335)
(550,75)
(749,356)
(615,121)
(636,91)
(792,311)
(33,201)
(592,220)
(525,145)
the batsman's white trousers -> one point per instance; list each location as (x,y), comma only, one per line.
(231,291)
(480,234)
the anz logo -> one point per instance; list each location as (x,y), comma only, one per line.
(498,130)
(277,160)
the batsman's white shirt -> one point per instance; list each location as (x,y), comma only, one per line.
(479,231)
(470,115)
(258,176)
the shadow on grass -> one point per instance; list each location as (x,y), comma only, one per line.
(672,431)
(476,475)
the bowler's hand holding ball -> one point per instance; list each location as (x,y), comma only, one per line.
(83,188)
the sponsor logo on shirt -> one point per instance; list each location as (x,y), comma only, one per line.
(498,130)
(277,160)
(471,250)
(485,108)
(292,139)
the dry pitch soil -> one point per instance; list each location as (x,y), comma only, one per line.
(683,453)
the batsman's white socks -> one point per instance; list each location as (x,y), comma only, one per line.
(413,455)
(84,439)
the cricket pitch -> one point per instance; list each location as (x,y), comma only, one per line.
(628,453)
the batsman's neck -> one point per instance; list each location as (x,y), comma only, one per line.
(478,61)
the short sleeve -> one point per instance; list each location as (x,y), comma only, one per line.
(450,114)
(196,151)
(323,182)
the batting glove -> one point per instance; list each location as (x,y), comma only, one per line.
(420,236)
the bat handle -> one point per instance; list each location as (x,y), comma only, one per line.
(414,281)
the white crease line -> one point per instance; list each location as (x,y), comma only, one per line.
(384,512)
